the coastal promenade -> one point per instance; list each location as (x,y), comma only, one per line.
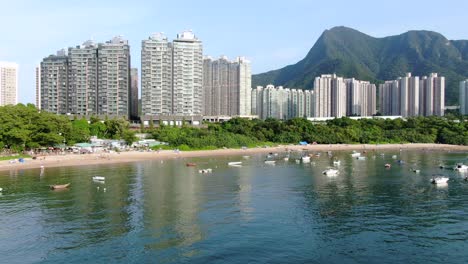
(135,156)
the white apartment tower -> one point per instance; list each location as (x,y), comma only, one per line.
(156,75)
(330,96)
(172,75)
(361,98)
(187,75)
(8,83)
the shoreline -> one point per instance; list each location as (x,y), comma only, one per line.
(70,160)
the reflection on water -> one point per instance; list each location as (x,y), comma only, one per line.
(166,212)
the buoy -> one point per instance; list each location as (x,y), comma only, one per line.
(104,189)
(1,189)
(98,187)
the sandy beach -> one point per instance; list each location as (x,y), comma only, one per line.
(135,156)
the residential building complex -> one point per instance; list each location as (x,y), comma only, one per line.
(91,79)
(172,75)
(361,98)
(413,96)
(330,96)
(226,87)
(8,83)
(281,103)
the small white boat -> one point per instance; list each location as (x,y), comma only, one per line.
(305,159)
(270,162)
(204,171)
(394,157)
(355,154)
(298,161)
(439,180)
(286,158)
(336,162)
(246,157)
(330,172)
(416,171)
(461,167)
(235,163)
(361,158)
(99,178)
(1,189)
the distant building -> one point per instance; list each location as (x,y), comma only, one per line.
(8,83)
(172,75)
(226,87)
(54,84)
(114,87)
(281,103)
(91,79)
(134,94)
(38,87)
(361,98)
(330,96)
(413,96)
(464,97)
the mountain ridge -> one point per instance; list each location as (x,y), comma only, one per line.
(351,53)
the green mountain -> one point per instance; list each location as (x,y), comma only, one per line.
(350,53)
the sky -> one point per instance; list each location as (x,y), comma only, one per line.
(270,33)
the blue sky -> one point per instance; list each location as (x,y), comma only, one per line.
(272,34)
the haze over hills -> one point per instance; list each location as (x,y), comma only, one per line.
(350,53)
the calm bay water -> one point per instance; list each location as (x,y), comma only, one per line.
(165,212)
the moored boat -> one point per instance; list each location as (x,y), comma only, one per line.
(99,178)
(336,162)
(330,172)
(388,165)
(305,159)
(271,162)
(59,186)
(355,154)
(235,163)
(439,180)
(461,167)
(191,164)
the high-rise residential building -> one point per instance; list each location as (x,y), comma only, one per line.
(281,103)
(156,75)
(134,94)
(114,88)
(8,83)
(83,79)
(245,86)
(187,75)
(433,89)
(172,75)
(361,98)
(464,97)
(54,83)
(91,79)
(413,96)
(38,87)
(256,101)
(330,96)
(226,86)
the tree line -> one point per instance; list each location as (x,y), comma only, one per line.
(24,127)
(239,132)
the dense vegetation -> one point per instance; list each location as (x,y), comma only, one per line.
(350,53)
(24,127)
(241,132)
